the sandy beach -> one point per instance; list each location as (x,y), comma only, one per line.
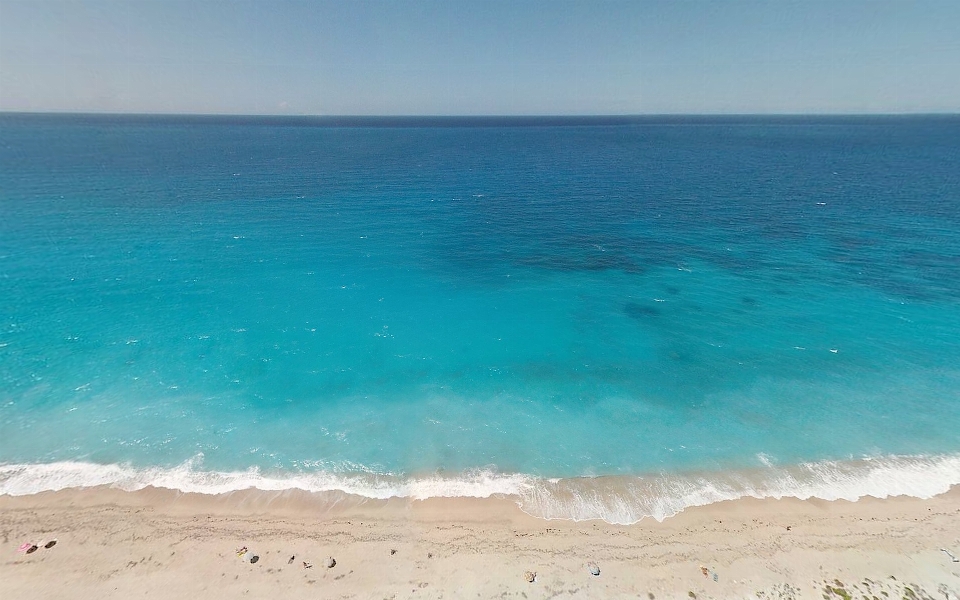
(163,544)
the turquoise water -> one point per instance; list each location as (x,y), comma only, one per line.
(374,304)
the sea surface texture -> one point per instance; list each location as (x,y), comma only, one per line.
(607,318)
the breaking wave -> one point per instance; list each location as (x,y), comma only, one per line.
(615,499)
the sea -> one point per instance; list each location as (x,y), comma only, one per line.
(600,318)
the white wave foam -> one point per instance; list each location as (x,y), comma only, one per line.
(625,500)
(25,479)
(619,500)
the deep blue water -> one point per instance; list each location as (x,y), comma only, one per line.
(547,297)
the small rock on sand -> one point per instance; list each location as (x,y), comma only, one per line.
(529,576)
(331,562)
(594,569)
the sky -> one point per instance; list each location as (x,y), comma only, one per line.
(491,57)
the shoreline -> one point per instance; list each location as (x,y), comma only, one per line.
(615,499)
(167,544)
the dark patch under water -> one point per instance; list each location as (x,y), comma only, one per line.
(640,311)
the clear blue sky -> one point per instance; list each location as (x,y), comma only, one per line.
(480,57)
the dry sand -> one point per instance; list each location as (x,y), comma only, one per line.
(162,544)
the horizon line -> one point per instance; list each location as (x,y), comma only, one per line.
(480,116)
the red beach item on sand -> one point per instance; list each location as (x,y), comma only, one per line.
(27,548)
